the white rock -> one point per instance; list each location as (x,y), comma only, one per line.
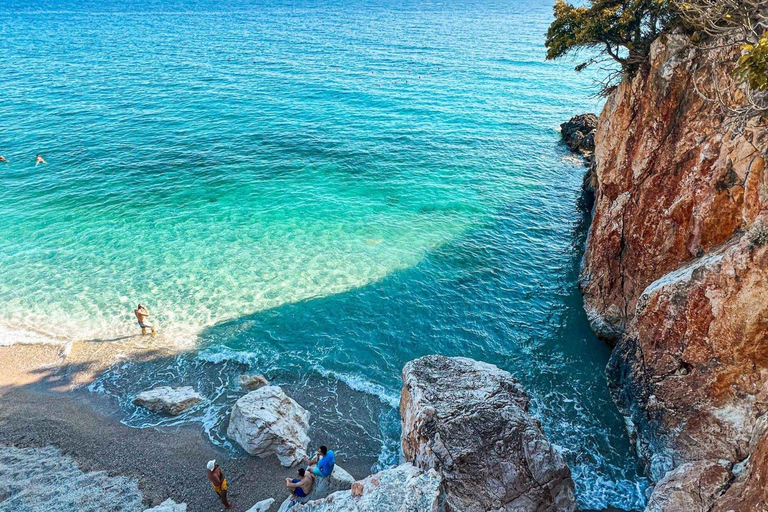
(262,506)
(168,400)
(250,381)
(401,489)
(267,421)
(338,480)
(168,506)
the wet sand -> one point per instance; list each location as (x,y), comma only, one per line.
(43,403)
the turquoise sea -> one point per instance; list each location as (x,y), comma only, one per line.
(316,190)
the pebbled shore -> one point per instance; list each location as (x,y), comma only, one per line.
(38,409)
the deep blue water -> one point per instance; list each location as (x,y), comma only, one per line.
(319,191)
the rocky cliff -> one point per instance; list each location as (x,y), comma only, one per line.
(673,277)
(470,446)
(469,421)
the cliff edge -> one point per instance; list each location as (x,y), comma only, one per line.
(674,276)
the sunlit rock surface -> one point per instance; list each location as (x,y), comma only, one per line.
(469,421)
(267,421)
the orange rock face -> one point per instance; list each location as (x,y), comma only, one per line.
(673,182)
(691,372)
(671,276)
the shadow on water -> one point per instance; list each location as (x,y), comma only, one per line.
(485,296)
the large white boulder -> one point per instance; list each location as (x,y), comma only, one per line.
(168,400)
(404,488)
(338,480)
(469,421)
(168,506)
(267,421)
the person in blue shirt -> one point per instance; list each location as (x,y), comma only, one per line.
(325,460)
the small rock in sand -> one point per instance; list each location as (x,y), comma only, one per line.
(168,400)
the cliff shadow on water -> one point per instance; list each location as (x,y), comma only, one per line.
(485,295)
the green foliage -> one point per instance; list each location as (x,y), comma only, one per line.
(758,236)
(753,64)
(621,29)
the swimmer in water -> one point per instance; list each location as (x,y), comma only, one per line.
(142,315)
(39,160)
(2,159)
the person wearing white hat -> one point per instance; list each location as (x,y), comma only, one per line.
(219,482)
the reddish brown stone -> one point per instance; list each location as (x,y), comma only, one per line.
(673,182)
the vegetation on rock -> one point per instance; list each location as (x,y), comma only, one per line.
(623,30)
(758,236)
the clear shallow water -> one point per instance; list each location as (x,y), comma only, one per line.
(320,191)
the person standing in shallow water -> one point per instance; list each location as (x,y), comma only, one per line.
(142,315)
(219,482)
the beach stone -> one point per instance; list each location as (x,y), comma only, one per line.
(469,421)
(262,506)
(168,506)
(267,421)
(404,488)
(251,381)
(168,400)
(339,480)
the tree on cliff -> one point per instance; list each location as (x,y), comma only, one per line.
(742,23)
(622,30)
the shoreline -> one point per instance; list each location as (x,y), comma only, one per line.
(43,402)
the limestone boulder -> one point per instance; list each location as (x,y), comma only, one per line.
(168,506)
(168,400)
(469,421)
(266,422)
(251,381)
(401,489)
(339,480)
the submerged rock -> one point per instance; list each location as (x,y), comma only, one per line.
(339,480)
(267,421)
(168,400)
(469,421)
(251,381)
(401,489)
(168,506)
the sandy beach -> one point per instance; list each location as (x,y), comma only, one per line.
(43,403)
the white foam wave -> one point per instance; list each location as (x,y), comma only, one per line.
(17,336)
(362,385)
